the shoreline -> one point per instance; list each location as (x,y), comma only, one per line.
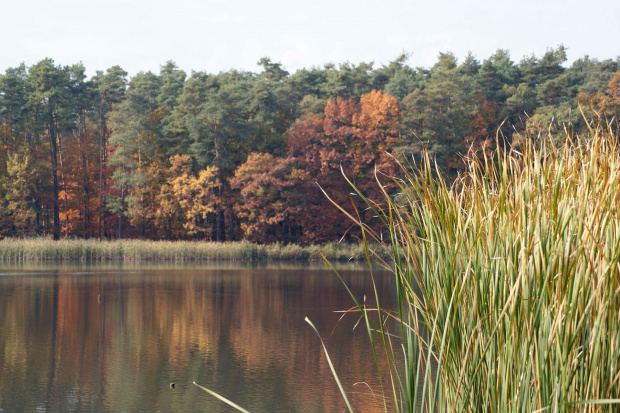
(92,250)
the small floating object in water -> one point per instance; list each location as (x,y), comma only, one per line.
(172,385)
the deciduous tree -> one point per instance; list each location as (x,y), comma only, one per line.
(110,87)
(353,138)
(272,198)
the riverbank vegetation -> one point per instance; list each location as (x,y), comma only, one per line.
(238,155)
(41,249)
(508,280)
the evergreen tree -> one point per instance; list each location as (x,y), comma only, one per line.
(136,140)
(110,88)
(48,100)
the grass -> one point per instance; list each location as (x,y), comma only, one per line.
(42,249)
(508,282)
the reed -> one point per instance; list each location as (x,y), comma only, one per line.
(508,282)
(43,249)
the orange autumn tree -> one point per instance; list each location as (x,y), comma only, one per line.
(604,105)
(272,198)
(79,194)
(354,136)
(481,140)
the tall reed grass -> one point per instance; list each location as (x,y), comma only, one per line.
(508,282)
(42,249)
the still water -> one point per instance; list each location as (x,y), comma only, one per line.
(112,338)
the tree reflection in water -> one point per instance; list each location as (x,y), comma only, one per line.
(105,338)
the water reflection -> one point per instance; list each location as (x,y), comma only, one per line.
(106,338)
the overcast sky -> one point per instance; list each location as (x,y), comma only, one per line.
(217,35)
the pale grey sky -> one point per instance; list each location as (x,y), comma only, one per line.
(217,35)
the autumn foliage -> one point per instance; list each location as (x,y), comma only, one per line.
(353,138)
(272,198)
(604,104)
(262,156)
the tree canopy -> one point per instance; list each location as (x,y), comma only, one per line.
(243,155)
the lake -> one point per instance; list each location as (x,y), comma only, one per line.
(112,337)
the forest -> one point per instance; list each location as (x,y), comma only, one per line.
(241,155)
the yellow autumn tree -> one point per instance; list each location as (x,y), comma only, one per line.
(169,216)
(188,201)
(17,207)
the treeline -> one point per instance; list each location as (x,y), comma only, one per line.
(241,155)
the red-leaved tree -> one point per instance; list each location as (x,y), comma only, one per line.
(354,138)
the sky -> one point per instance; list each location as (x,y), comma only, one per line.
(218,35)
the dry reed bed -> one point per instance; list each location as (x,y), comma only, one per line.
(18,250)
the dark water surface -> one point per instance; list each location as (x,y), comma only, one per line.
(111,338)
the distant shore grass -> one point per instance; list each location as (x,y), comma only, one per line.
(43,249)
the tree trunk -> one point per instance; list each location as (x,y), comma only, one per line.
(120,214)
(102,133)
(54,154)
(62,180)
(219,217)
(218,223)
(222,226)
(85,178)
